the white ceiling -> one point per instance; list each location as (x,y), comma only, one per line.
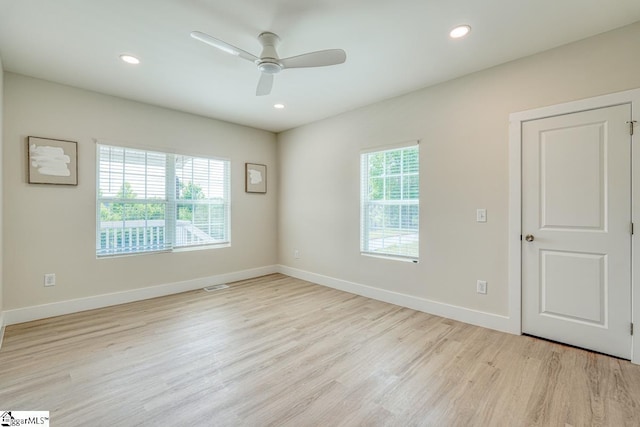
(393,47)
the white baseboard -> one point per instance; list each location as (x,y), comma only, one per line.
(43,311)
(474,317)
(466,315)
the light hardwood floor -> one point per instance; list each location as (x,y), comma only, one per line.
(277,351)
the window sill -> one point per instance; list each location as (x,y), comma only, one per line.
(391,257)
(201,247)
(166,251)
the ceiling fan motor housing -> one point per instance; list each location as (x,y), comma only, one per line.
(269,62)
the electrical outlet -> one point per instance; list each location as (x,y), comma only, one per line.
(481,286)
(296,254)
(50,279)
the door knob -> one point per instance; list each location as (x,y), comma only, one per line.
(529,238)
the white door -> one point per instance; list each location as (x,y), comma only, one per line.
(576,229)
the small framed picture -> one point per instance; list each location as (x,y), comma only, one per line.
(52,161)
(255,178)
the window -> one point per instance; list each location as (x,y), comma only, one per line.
(389,202)
(150,201)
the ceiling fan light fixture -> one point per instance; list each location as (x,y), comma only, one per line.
(129,59)
(459,31)
(270,67)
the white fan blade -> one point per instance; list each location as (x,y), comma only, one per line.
(223,46)
(320,58)
(264,84)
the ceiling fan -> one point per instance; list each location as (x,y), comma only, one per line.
(269,63)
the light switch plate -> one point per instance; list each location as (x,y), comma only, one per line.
(481,215)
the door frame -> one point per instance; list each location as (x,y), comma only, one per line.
(631,97)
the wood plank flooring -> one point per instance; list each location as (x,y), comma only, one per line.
(277,351)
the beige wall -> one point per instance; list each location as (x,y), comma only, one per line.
(51,229)
(463,128)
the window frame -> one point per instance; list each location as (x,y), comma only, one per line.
(366,202)
(170,201)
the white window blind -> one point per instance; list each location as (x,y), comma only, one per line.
(389,202)
(202,193)
(152,201)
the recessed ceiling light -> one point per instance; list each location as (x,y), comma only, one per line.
(130,59)
(278,106)
(459,31)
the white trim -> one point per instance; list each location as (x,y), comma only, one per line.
(466,315)
(515,199)
(27,314)
(411,260)
(514,266)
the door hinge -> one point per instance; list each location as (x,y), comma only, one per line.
(631,228)
(631,329)
(631,124)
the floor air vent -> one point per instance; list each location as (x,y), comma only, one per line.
(213,288)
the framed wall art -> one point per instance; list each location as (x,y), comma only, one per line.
(255,178)
(52,161)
